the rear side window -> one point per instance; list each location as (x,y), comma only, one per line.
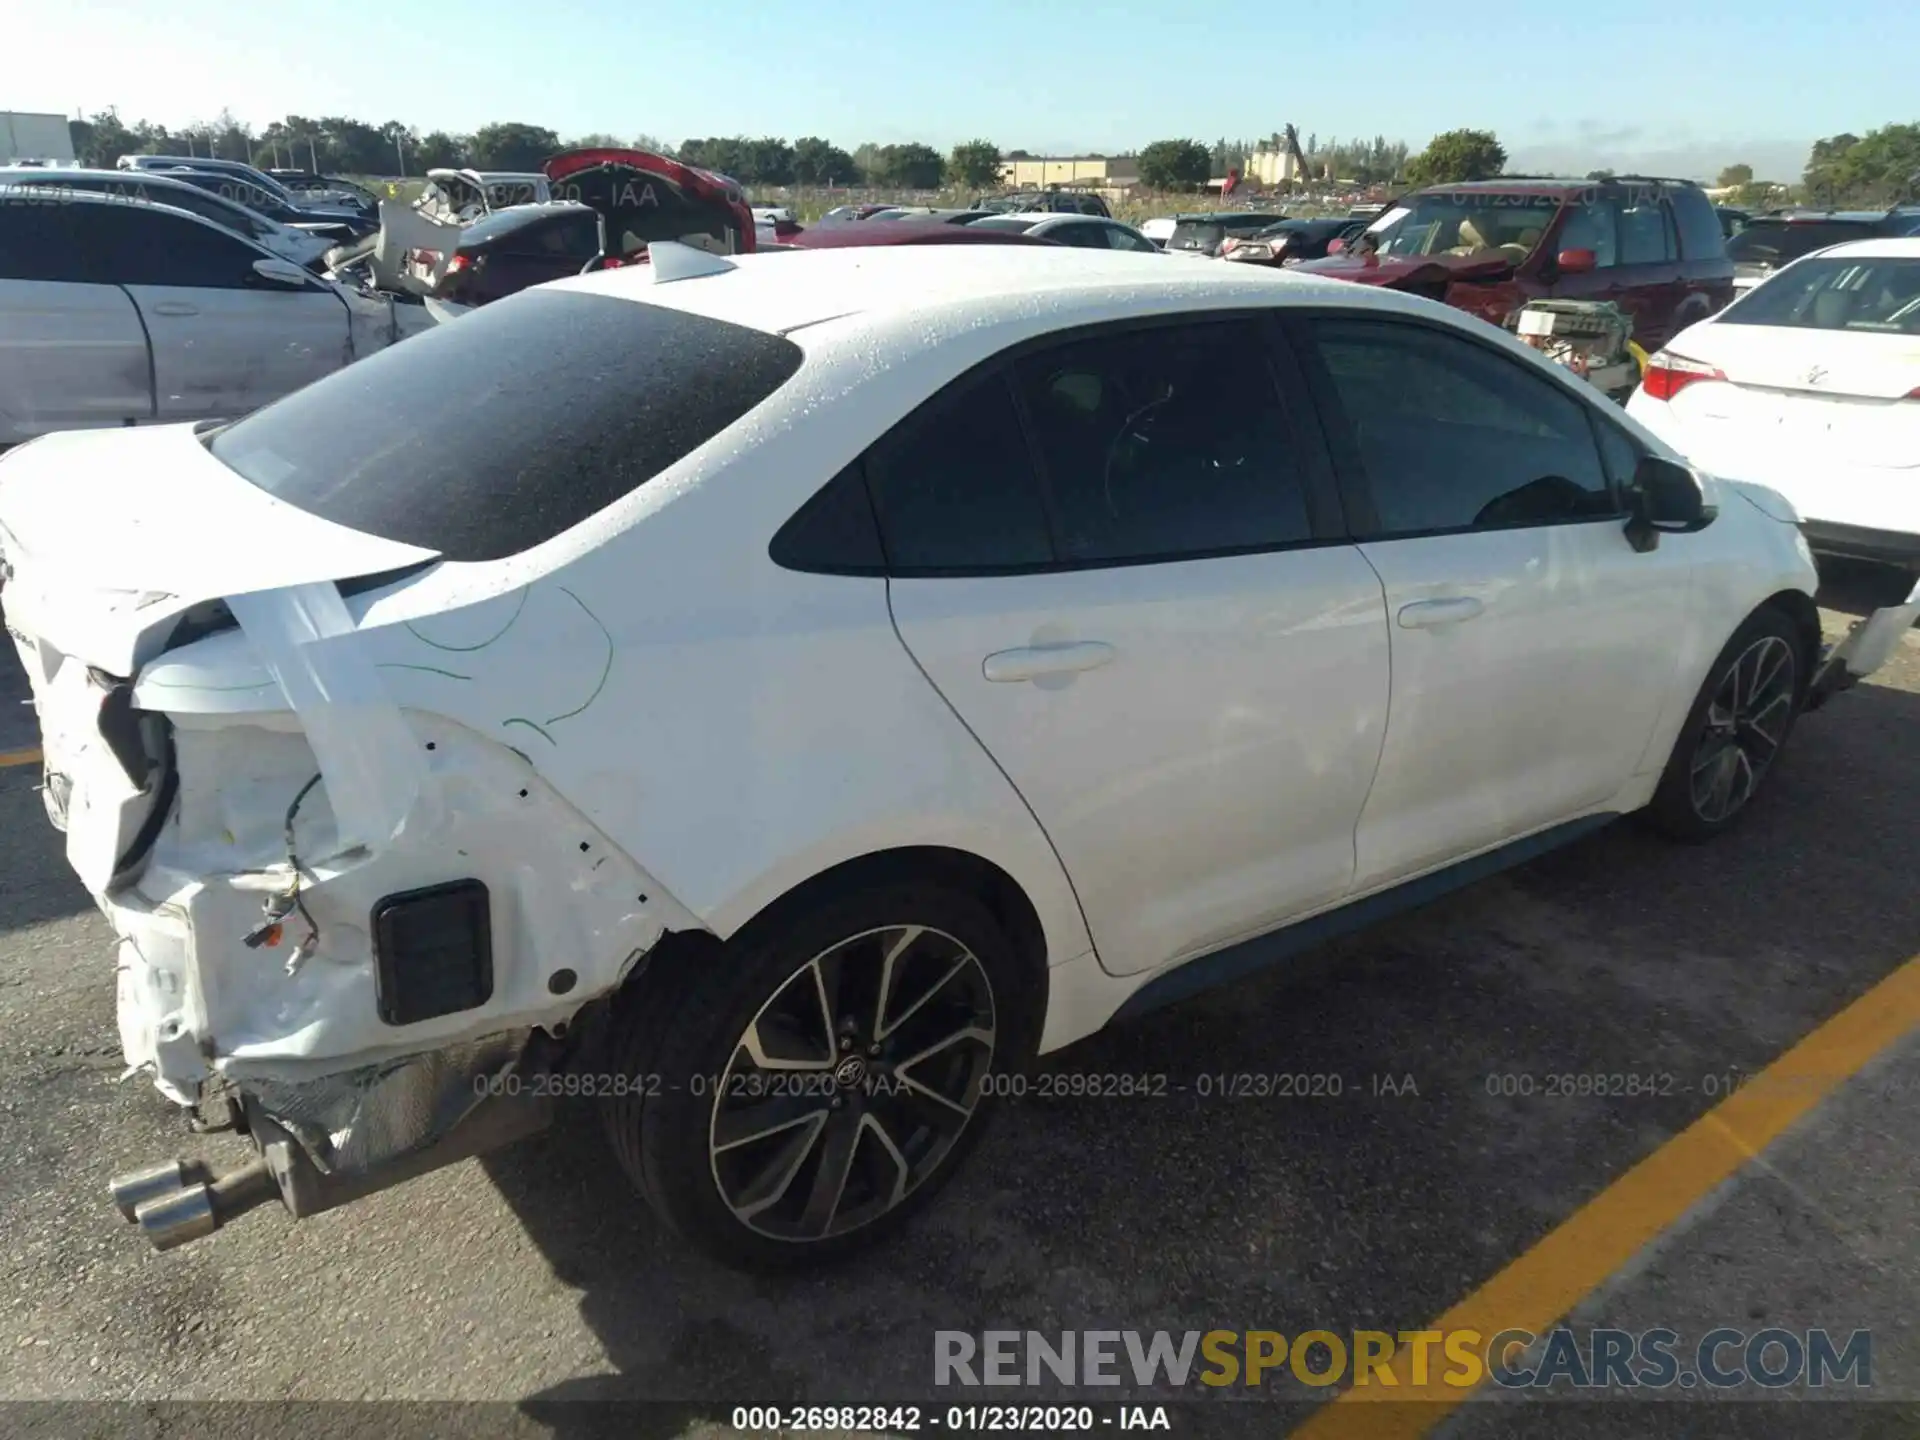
(1702,236)
(1775,242)
(1164,443)
(1646,232)
(446,443)
(954,486)
(37,234)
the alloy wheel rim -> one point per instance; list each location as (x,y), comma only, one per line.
(850,1085)
(1746,721)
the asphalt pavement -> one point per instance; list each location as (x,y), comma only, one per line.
(533,1279)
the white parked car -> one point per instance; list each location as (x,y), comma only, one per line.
(778,697)
(1159,230)
(1083,232)
(117,312)
(1810,384)
(302,247)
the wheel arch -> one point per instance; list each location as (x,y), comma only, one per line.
(1799,609)
(652,983)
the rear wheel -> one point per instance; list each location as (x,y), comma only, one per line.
(1739,721)
(819,1084)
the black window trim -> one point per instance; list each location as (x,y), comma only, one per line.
(1356,487)
(1325,501)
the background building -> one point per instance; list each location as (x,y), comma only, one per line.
(25,136)
(1114,172)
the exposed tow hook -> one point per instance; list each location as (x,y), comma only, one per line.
(183,1201)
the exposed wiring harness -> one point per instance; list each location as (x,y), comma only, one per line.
(282,903)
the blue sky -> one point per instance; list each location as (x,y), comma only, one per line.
(1565,85)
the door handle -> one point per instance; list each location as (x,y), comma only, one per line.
(1425,614)
(175,307)
(1032,661)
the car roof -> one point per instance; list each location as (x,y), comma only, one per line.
(94,197)
(898,283)
(1890,247)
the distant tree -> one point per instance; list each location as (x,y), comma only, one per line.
(438,150)
(974,165)
(1736,175)
(1020,155)
(655,144)
(1458,155)
(1881,167)
(913,166)
(820,162)
(596,140)
(512,145)
(866,159)
(1599,174)
(1823,173)
(727,154)
(101,140)
(769,161)
(1175,165)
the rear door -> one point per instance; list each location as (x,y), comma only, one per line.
(225,341)
(1531,644)
(72,353)
(1150,618)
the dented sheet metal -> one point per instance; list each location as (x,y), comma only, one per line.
(372,764)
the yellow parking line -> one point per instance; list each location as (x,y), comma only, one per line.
(1544,1284)
(19,757)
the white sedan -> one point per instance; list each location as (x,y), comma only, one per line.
(779,698)
(1810,384)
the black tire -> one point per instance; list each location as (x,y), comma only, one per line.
(1737,751)
(691,1033)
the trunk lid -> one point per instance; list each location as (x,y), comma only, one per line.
(105,542)
(1840,397)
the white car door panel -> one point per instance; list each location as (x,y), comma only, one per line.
(1526,628)
(72,356)
(1196,738)
(1194,730)
(1525,684)
(220,352)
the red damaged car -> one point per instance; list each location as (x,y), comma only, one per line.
(1655,247)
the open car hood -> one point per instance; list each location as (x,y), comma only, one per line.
(643,197)
(1407,271)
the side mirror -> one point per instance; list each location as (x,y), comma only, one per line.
(283,273)
(1667,496)
(1576,262)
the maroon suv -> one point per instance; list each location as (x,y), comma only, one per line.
(1488,247)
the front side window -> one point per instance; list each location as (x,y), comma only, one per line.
(1452,436)
(1646,232)
(140,245)
(1163,443)
(1872,295)
(445,443)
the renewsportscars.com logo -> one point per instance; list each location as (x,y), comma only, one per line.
(1463,1359)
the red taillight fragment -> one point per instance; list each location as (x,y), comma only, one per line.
(1667,375)
(458,263)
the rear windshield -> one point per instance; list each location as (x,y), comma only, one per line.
(500,429)
(505,222)
(1211,230)
(1877,295)
(1775,242)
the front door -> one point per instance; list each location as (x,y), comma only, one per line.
(225,340)
(1149,619)
(1526,633)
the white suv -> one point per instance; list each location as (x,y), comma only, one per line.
(776,698)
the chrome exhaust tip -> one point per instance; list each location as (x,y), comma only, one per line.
(137,1187)
(197,1209)
(173,1220)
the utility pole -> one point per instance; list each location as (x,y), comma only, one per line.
(400,154)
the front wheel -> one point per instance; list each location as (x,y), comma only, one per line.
(1739,721)
(819,1084)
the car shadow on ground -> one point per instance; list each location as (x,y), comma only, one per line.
(1415,1167)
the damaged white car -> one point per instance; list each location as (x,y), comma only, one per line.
(118,312)
(873,671)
